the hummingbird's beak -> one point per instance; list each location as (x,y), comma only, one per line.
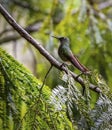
(55,37)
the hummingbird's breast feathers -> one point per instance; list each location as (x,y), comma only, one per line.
(64,51)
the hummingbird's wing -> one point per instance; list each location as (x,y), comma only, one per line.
(73,59)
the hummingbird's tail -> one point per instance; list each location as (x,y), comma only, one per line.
(78,65)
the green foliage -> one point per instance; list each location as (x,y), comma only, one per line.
(102,114)
(89,29)
(81,110)
(24,106)
(22,103)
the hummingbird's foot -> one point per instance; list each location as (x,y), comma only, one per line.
(63,64)
(85,73)
(79,75)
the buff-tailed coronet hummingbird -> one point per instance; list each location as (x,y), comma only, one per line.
(66,54)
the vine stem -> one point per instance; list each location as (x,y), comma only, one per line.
(45,78)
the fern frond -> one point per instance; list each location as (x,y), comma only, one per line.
(102,114)
(69,98)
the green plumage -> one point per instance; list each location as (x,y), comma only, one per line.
(64,51)
(66,54)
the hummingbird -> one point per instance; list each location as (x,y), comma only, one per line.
(66,54)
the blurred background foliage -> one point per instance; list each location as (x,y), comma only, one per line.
(87,23)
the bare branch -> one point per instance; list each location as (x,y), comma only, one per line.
(30,29)
(5,31)
(101,5)
(40,48)
(25,5)
(104,5)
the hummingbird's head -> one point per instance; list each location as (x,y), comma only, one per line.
(62,39)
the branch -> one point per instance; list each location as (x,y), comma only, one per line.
(30,29)
(40,48)
(104,5)
(102,16)
(28,6)
(25,5)
(101,5)
(6,31)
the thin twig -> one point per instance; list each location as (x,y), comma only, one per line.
(45,78)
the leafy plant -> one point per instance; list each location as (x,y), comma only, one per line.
(80,109)
(22,104)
